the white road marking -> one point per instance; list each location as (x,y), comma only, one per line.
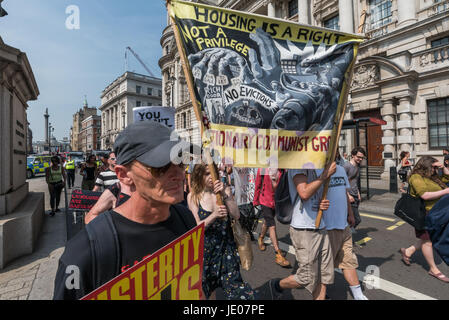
(393,288)
(384,285)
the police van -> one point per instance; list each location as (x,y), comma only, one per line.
(37,164)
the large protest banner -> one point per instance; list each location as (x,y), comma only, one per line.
(174,272)
(268,91)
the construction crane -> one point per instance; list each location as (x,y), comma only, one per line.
(138,59)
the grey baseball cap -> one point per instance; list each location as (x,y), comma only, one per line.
(150,143)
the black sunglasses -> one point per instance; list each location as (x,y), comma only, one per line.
(159,172)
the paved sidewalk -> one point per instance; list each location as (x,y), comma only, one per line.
(381,201)
(31,277)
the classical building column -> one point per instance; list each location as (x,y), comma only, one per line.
(111,119)
(111,112)
(304,11)
(388,112)
(405,125)
(406,12)
(271,9)
(346,15)
(117,118)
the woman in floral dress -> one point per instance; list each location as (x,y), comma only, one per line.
(221,259)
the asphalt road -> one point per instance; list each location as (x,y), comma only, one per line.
(378,239)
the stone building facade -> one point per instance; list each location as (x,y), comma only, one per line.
(175,90)
(76,128)
(89,137)
(118,99)
(401,75)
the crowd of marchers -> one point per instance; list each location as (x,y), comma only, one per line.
(151,201)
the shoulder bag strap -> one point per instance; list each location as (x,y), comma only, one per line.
(105,249)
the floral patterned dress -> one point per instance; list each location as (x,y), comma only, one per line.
(222,261)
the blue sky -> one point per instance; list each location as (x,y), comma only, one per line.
(69,64)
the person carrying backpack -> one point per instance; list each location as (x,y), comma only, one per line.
(118,239)
(267,181)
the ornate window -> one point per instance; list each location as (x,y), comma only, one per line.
(380,13)
(332,23)
(438,121)
(292,8)
(184,120)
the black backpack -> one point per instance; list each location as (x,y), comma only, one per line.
(105,246)
(282,200)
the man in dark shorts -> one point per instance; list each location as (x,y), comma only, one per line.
(148,221)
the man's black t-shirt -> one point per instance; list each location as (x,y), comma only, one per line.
(136,242)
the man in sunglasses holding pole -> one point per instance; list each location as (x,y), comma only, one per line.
(148,221)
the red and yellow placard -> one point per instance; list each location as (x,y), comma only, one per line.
(172,273)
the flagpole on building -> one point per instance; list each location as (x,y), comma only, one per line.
(190,85)
(333,145)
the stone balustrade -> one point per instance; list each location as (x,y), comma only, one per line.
(437,8)
(378,32)
(428,59)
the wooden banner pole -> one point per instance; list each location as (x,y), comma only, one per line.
(191,87)
(334,146)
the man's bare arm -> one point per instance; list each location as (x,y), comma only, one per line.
(105,202)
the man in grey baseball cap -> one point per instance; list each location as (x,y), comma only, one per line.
(150,143)
(147,155)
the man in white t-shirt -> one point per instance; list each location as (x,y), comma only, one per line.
(336,220)
(312,247)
